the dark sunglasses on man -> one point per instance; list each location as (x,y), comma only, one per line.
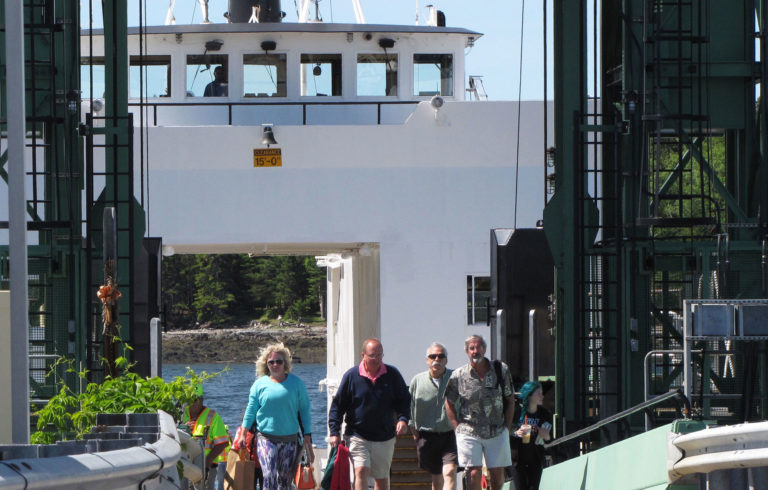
(436,356)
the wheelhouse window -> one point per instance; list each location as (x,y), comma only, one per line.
(377,74)
(264,75)
(207,75)
(154,72)
(92,68)
(478,295)
(432,74)
(320,75)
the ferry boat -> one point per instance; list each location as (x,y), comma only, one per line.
(366,145)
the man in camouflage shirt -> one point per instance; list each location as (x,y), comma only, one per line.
(485,412)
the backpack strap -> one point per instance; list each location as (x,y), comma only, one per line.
(497,368)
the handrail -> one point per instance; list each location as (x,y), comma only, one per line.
(122,468)
(646,380)
(303,104)
(624,414)
(731,446)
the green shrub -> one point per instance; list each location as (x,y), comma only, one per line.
(69,415)
(269,314)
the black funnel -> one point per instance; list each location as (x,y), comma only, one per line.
(267,11)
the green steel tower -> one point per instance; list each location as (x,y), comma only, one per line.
(68,195)
(660,196)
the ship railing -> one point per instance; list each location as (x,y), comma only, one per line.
(250,113)
(720,448)
(147,466)
(585,434)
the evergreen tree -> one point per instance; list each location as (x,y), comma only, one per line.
(234,289)
(213,296)
(290,285)
(316,281)
(179,290)
(260,273)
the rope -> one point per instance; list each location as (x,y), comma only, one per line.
(143,128)
(142,92)
(519,103)
(546,136)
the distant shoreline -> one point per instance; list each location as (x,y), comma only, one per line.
(308,344)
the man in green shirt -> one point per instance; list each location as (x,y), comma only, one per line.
(435,440)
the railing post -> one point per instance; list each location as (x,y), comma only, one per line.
(532,345)
(17,225)
(155,346)
(496,344)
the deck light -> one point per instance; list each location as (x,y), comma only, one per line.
(214,45)
(97,105)
(436,102)
(268,45)
(268,137)
(386,43)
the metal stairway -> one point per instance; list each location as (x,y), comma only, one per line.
(405,472)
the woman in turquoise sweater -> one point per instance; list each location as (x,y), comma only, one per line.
(276,401)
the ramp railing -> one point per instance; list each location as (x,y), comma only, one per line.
(147,466)
(720,448)
(585,434)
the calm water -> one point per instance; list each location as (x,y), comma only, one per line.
(228,394)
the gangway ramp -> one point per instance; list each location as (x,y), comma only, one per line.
(685,454)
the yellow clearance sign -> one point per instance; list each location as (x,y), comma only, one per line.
(267,157)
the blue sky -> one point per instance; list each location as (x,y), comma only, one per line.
(495,56)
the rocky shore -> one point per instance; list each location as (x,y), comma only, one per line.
(307,343)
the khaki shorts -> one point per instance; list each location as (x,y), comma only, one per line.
(496,450)
(376,455)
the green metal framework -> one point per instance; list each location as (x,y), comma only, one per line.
(112,141)
(66,194)
(56,178)
(661,193)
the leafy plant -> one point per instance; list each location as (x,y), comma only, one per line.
(69,415)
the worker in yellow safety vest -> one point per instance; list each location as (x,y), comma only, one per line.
(205,423)
(221,470)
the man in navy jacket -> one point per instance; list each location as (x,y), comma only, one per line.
(368,398)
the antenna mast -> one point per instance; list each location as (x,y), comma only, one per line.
(359,15)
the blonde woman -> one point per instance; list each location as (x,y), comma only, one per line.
(276,401)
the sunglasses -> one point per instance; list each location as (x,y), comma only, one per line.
(436,356)
(278,362)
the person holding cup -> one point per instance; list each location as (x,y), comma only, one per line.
(534,430)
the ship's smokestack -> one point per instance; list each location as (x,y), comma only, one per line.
(241,11)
